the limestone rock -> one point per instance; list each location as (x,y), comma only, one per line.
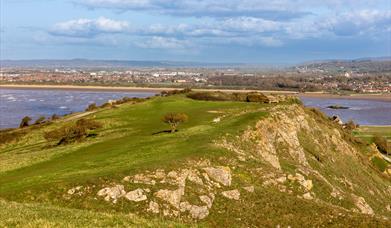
(249,188)
(143,179)
(153,207)
(232,194)
(136,195)
(199,212)
(173,197)
(308,196)
(208,201)
(184,206)
(113,193)
(363,205)
(220,174)
(74,190)
(194,177)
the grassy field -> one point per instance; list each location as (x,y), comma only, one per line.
(35,175)
(367,132)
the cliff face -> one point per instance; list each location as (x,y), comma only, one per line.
(301,153)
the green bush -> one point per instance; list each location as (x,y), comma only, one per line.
(381,144)
(40,120)
(11,135)
(211,96)
(379,163)
(91,107)
(174,92)
(25,122)
(257,97)
(74,133)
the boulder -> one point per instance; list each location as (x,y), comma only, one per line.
(198,212)
(232,194)
(113,193)
(208,201)
(249,188)
(172,197)
(153,207)
(220,174)
(136,195)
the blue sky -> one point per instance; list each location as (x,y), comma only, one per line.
(251,31)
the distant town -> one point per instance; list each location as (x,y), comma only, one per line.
(337,77)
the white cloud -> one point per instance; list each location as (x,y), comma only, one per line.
(158,42)
(89,27)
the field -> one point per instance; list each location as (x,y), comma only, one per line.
(35,175)
(367,132)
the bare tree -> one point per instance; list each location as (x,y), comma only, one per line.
(174,119)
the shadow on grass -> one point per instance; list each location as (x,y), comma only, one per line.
(164,131)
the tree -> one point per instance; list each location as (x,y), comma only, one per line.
(91,107)
(174,119)
(40,120)
(25,122)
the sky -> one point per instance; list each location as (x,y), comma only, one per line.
(236,31)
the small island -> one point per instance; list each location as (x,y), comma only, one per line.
(337,107)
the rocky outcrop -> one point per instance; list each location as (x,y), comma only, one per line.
(207,180)
(232,194)
(136,195)
(220,174)
(112,193)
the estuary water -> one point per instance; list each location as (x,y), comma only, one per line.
(363,112)
(17,103)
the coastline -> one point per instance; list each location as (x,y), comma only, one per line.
(126,89)
(321,95)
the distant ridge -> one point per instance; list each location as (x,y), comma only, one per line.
(87,63)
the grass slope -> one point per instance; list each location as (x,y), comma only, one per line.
(35,176)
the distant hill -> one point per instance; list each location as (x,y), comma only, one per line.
(378,64)
(87,63)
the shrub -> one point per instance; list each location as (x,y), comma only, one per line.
(91,107)
(74,133)
(40,120)
(174,119)
(165,93)
(257,97)
(106,105)
(25,122)
(379,163)
(351,125)
(381,144)
(55,117)
(10,135)
(211,96)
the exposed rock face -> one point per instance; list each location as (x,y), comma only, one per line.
(143,179)
(198,212)
(362,205)
(208,201)
(74,190)
(173,197)
(153,207)
(113,193)
(136,195)
(220,174)
(232,194)
(249,188)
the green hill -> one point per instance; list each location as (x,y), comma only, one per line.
(231,164)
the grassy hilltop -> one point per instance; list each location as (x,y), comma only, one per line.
(290,166)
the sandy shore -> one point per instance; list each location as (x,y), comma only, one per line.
(380,97)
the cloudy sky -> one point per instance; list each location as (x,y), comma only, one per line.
(251,31)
